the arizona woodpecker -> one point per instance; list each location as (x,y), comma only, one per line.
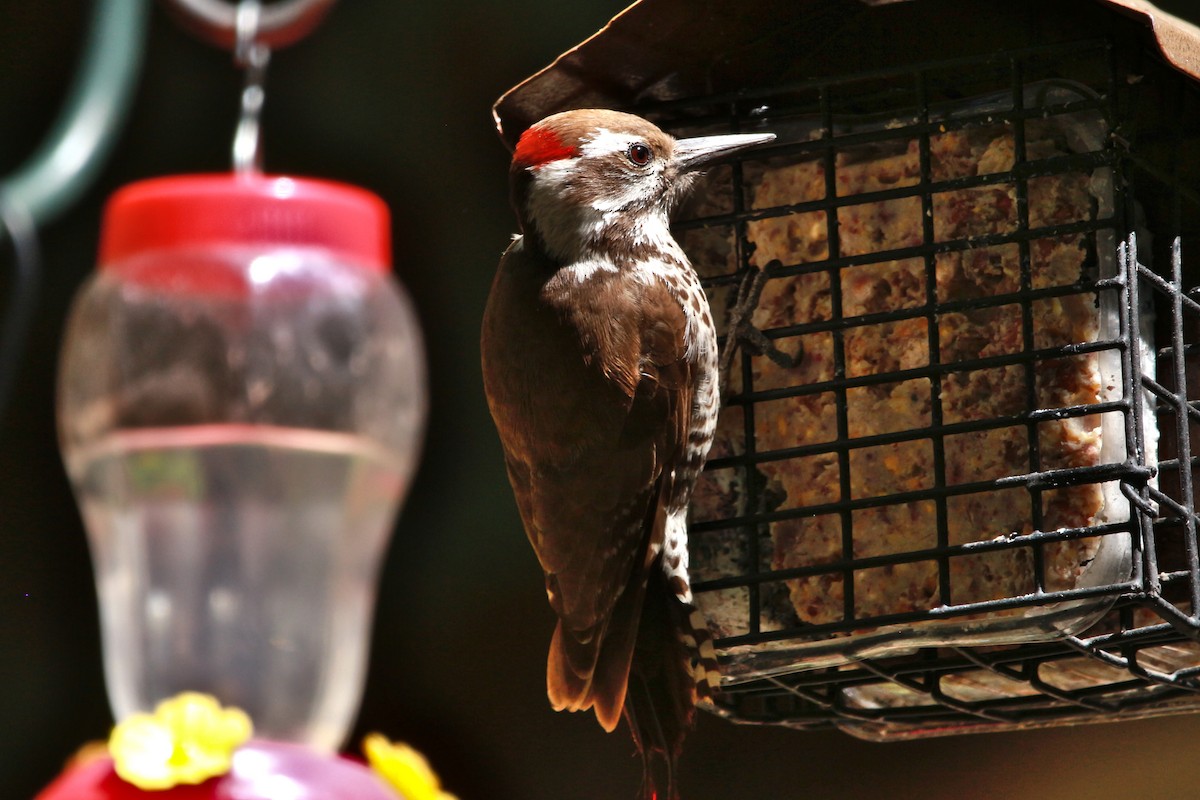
(600,367)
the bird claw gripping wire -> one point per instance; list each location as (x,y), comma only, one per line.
(743,335)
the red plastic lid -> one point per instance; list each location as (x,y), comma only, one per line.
(256,210)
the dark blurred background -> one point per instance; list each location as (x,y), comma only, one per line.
(396,96)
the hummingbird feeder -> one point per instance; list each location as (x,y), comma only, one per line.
(241,404)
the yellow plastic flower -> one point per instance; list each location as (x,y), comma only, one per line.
(404,769)
(188,739)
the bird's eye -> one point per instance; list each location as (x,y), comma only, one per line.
(639,154)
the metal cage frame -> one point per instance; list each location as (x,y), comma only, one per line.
(1142,659)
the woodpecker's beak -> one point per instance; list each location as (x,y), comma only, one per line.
(703,150)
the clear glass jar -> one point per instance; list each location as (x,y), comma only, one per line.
(241,402)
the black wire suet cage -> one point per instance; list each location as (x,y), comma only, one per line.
(865,666)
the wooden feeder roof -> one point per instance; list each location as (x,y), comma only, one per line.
(661,50)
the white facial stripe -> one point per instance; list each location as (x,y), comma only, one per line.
(633,192)
(605,143)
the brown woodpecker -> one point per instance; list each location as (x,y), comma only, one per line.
(600,367)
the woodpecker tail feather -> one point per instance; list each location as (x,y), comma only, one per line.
(590,669)
(589,675)
(569,670)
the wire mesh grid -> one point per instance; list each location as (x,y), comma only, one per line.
(904,520)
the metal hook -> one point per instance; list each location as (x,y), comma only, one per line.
(75,150)
(252,55)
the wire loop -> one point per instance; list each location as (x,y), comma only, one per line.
(279,24)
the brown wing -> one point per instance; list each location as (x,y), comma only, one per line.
(591,394)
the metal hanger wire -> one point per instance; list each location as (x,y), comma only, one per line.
(251,30)
(252,55)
